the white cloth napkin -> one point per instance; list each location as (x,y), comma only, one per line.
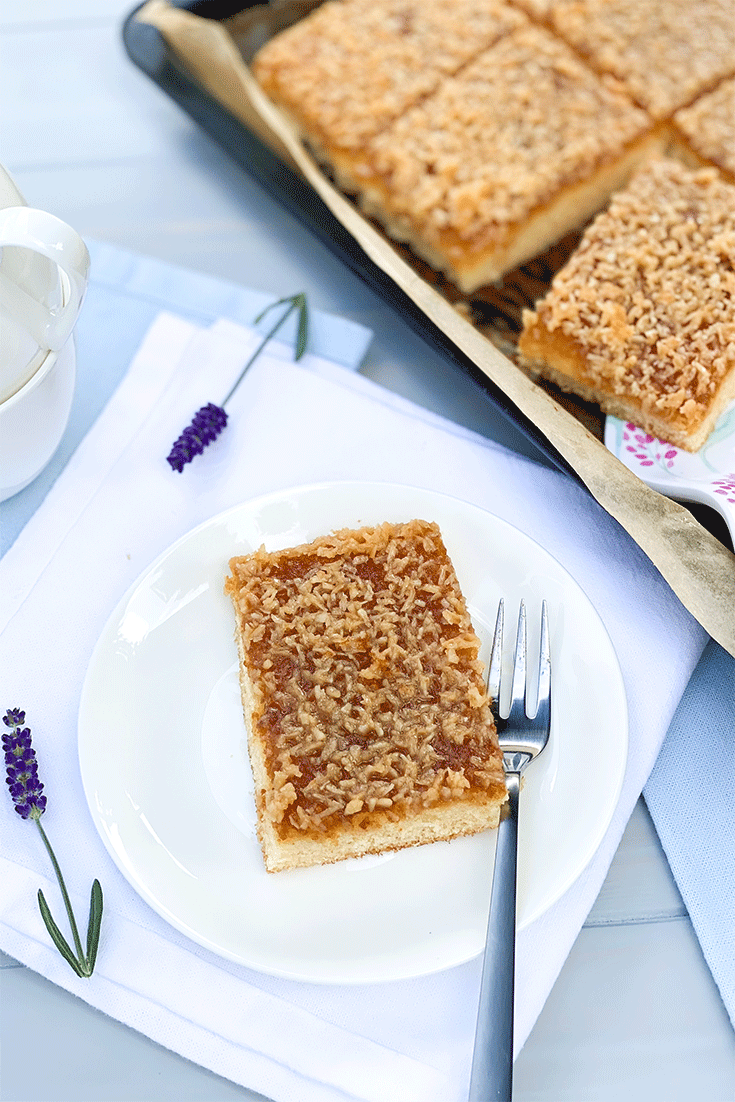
(113,510)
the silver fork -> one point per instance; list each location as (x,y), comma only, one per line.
(522,738)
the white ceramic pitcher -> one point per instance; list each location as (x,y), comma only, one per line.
(44,270)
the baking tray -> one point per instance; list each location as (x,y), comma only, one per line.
(499,310)
(149,51)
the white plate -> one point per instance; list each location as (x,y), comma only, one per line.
(164,761)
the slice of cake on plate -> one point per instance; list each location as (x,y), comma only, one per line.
(641,320)
(369,726)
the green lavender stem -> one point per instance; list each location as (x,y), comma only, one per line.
(82,961)
(296,302)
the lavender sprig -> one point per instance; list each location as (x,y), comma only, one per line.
(27,792)
(209,421)
(205,427)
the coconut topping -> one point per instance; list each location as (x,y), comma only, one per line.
(352,66)
(485,150)
(650,293)
(665,51)
(368,690)
(537,9)
(709,126)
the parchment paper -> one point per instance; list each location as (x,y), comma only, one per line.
(697,566)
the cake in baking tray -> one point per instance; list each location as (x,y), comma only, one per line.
(481,175)
(369,726)
(485,135)
(492,161)
(350,67)
(641,320)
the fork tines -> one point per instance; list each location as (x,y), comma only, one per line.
(518,711)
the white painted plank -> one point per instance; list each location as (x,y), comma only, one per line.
(71,96)
(49,12)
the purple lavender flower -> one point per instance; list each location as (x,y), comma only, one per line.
(205,427)
(209,421)
(21,767)
(26,791)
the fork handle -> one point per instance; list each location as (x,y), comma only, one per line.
(491,1079)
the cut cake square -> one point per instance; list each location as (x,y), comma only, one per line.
(666,52)
(523,145)
(641,320)
(350,67)
(369,726)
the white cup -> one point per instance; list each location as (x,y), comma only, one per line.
(44,271)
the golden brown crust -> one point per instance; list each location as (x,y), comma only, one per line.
(363,691)
(706,130)
(665,51)
(642,318)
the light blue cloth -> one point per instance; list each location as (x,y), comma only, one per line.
(126,292)
(691,797)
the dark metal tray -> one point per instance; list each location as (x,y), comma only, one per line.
(148,50)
